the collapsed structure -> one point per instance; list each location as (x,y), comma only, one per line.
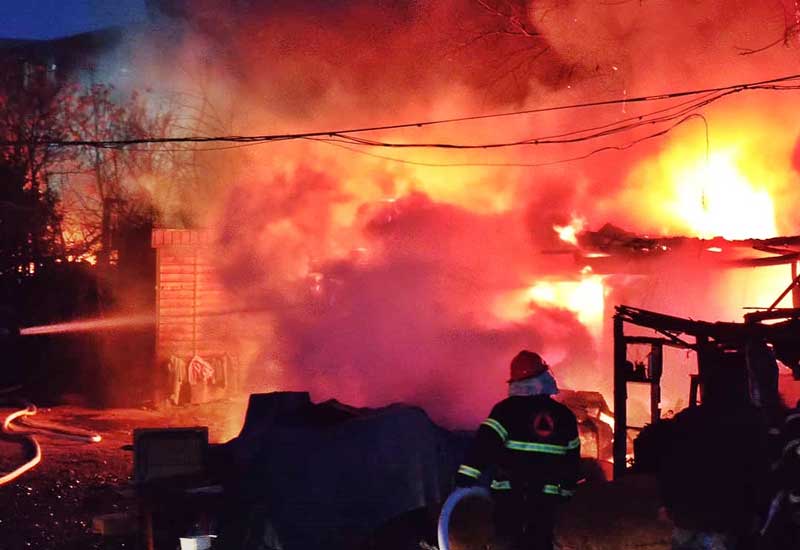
(614,250)
(748,349)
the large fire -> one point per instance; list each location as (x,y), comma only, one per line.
(736,186)
(717,198)
(416,273)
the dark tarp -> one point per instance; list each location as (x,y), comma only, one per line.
(326,475)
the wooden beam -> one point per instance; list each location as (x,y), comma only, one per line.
(656,365)
(620,448)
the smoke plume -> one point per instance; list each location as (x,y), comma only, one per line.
(382,277)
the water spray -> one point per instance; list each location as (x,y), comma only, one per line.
(90,325)
(120,322)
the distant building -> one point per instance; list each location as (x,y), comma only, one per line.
(59,59)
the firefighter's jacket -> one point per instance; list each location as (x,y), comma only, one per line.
(532,442)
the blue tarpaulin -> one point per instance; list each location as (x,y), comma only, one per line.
(326,474)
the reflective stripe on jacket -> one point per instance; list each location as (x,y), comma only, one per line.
(534,441)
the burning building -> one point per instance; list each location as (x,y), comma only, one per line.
(400,196)
(392,269)
(408,262)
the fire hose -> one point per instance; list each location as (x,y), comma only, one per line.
(450,504)
(27,436)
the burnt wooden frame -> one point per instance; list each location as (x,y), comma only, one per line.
(673,331)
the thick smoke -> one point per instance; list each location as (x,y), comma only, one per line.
(409,316)
(381,280)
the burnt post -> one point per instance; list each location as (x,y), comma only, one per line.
(702,348)
(694,384)
(620,398)
(656,367)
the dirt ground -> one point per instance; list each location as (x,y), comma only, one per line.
(52,506)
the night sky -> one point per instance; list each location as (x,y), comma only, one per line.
(43,19)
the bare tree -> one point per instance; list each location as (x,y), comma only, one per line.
(31,115)
(102,190)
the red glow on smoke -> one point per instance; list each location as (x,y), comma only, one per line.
(386,280)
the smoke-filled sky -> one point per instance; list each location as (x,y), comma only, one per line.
(415,274)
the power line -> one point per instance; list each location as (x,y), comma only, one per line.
(558,139)
(619,147)
(708,95)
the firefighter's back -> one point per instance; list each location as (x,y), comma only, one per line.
(541,434)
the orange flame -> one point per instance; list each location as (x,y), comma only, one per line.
(719,198)
(726,191)
(569,232)
(584,297)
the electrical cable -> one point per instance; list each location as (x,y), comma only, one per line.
(778,83)
(571,137)
(591,153)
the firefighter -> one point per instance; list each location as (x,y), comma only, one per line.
(531,444)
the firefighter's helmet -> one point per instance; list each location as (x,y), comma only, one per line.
(526,364)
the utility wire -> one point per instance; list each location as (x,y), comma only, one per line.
(568,138)
(711,94)
(345,142)
(620,147)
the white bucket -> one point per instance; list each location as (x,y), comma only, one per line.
(201,542)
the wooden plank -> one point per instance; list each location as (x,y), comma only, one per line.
(176,344)
(175,294)
(186,314)
(181,328)
(176,269)
(190,259)
(168,286)
(620,444)
(181,305)
(176,331)
(168,303)
(176,278)
(174,290)
(177,338)
(178,255)
(183,269)
(163,238)
(187,353)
